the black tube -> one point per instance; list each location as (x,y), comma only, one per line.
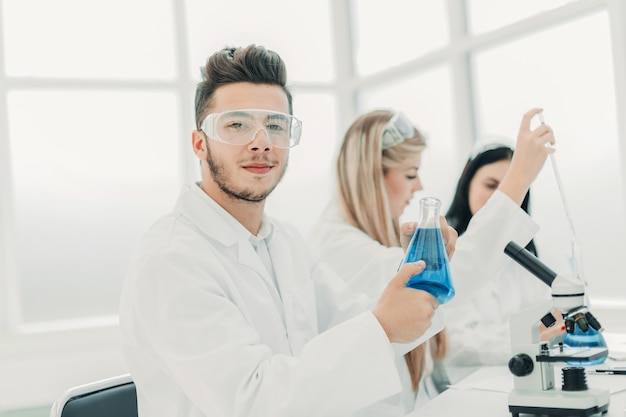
(592,321)
(530,262)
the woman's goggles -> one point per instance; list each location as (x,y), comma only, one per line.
(240,127)
(398,129)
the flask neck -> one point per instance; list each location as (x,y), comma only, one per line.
(429,213)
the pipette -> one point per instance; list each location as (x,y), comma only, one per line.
(575,259)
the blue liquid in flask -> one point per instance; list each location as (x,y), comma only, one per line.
(427,245)
(592,338)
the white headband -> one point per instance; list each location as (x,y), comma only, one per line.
(490,142)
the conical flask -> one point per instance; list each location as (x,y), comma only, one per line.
(592,338)
(427,245)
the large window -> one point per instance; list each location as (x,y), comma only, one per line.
(96,114)
(74,40)
(394,32)
(575,86)
(426,98)
(499,60)
(486,15)
(93,148)
(99,142)
(89,176)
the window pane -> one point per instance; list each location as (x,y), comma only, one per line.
(306,188)
(396,31)
(575,87)
(486,15)
(89,39)
(298,31)
(427,100)
(91,172)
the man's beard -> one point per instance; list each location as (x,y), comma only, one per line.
(218,173)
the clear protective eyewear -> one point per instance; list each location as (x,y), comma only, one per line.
(398,129)
(240,127)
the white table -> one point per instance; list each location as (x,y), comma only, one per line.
(484,393)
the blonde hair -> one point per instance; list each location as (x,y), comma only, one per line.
(361,166)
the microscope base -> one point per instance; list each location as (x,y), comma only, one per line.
(562,412)
(559,403)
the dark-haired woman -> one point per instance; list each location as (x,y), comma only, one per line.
(479,330)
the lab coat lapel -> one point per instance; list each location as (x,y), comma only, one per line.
(249,258)
(218,224)
(296,291)
(283,269)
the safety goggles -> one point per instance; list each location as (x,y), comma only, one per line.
(398,129)
(240,127)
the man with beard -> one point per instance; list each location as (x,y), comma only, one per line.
(224,312)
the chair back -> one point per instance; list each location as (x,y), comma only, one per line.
(112,397)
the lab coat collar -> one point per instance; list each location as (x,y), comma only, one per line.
(218,224)
(265,233)
(193,203)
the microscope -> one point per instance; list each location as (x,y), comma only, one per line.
(532,364)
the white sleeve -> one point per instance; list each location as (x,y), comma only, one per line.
(196,336)
(479,255)
(334,292)
(473,343)
(363,263)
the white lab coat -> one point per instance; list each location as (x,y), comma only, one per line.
(203,335)
(366,266)
(479,331)
(479,258)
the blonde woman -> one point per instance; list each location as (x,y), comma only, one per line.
(360,237)
(363,223)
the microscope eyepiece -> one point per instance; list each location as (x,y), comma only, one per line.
(593,322)
(530,262)
(582,323)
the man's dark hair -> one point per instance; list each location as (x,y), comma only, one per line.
(253,64)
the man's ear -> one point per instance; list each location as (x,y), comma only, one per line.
(198,144)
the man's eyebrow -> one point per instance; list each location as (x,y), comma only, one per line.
(277,116)
(240,113)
